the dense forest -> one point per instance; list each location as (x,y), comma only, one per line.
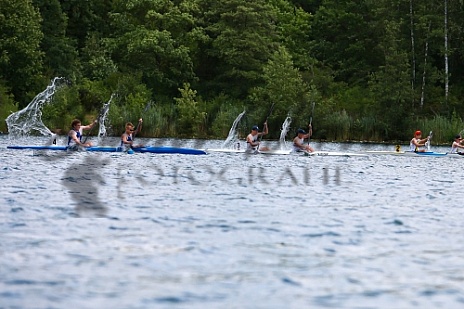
(376,70)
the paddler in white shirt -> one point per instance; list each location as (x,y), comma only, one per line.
(418,143)
(298,141)
(457,144)
(252,139)
(75,134)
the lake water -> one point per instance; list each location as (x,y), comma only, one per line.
(113,230)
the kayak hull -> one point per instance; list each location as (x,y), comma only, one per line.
(50,147)
(334,154)
(409,153)
(176,150)
(165,150)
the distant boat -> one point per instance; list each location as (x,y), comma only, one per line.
(408,153)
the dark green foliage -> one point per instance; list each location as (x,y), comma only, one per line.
(283,86)
(149,38)
(191,119)
(222,120)
(20,53)
(60,53)
(8,106)
(242,36)
(375,69)
(64,107)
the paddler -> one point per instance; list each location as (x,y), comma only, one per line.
(75,134)
(127,138)
(457,143)
(252,139)
(298,141)
(418,143)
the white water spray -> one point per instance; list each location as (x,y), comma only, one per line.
(102,118)
(232,138)
(29,119)
(283,132)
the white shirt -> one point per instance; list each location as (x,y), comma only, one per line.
(253,138)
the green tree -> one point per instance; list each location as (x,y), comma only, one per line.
(294,28)
(7,106)
(60,53)
(284,86)
(20,53)
(390,85)
(242,36)
(191,119)
(96,59)
(85,18)
(342,38)
(148,38)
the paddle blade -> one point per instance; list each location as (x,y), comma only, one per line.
(429,138)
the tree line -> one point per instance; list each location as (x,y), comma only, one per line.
(375,69)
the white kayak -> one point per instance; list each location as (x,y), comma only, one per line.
(288,152)
(334,154)
(226,150)
(456,155)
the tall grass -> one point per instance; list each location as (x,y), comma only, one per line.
(6,109)
(443,128)
(336,126)
(340,126)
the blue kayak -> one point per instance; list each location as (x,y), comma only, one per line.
(408,153)
(172,150)
(432,153)
(50,147)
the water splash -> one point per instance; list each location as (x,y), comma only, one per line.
(232,138)
(102,118)
(427,143)
(283,133)
(29,119)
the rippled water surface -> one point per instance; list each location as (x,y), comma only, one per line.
(113,230)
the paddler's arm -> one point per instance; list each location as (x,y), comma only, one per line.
(265,129)
(90,125)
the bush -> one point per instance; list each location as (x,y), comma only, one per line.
(191,119)
(7,107)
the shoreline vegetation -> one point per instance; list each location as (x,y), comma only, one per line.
(374,70)
(393,142)
(162,122)
(401,143)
